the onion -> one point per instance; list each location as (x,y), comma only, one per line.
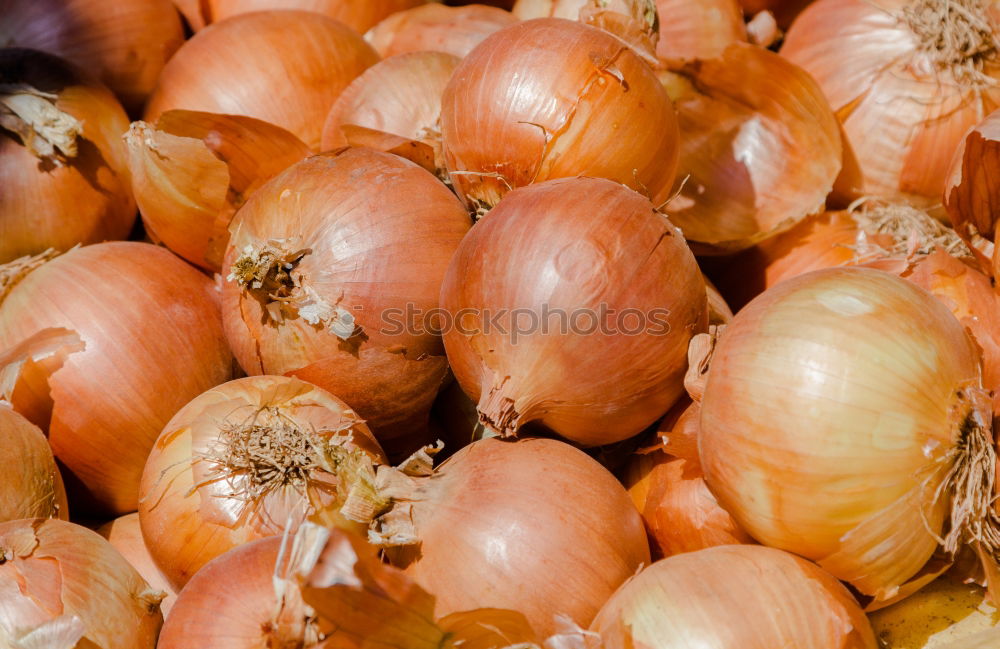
(283,67)
(784,11)
(368,237)
(757,158)
(359,16)
(61,157)
(152,340)
(31,486)
(907,78)
(62,586)
(617,290)
(125,43)
(689,600)
(125,535)
(845,448)
(699,29)
(434,27)
(550,98)
(191,172)
(395,106)
(246,460)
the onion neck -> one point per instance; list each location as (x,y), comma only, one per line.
(45,130)
(914,233)
(497,411)
(958,35)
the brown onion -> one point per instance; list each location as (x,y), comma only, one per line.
(282,67)
(61,157)
(550,98)
(907,78)
(124,43)
(245,460)
(698,29)
(359,16)
(31,487)
(690,599)
(327,263)
(191,172)
(433,27)
(784,11)
(62,586)
(152,340)
(618,292)
(125,535)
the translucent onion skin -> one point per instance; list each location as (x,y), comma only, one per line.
(550,98)
(436,28)
(85,199)
(283,67)
(56,569)
(31,487)
(125,535)
(374,249)
(193,508)
(821,439)
(499,519)
(689,600)
(597,245)
(903,113)
(153,339)
(359,16)
(125,44)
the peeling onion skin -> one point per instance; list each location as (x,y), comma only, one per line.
(153,338)
(84,201)
(73,571)
(374,249)
(689,600)
(126,537)
(574,243)
(437,28)
(359,16)
(547,99)
(125,43)
(283,67)
(499,520)
(32,486)
(851,420)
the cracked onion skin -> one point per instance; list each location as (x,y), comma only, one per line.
(552,98)
(574,244)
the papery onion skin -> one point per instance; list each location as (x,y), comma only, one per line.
(597,245)
(125,44)
(698,30)
(126,537)
(153,339)
(689,599)
(55,568)
(359,16)
(85,199)
(819,437)
(32,486)
(784,11)
(375,250)
(500,519)
(433,27)
(550,98)
(193,508)
(283,67)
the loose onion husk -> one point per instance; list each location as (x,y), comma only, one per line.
(284,67)
(550,98)
(361,249)
(907,78)
(248,459)
(63,586)
(125,535)
(61,157)
(191,171)
(866,439)
(152,339)
(31,487)
(603,251)
(434,27)
(124,44)
(688,600)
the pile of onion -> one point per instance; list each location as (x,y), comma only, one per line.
(358,15)
(61,157)
(63,586)
(844,419)
(907,78)
(191,171)
(334,272)
(246,460)
(691,600)
(436,28)
(550,98)
(284,67)
(31,486)
(125,535)
(124,43)
(574,302)
(150,340)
